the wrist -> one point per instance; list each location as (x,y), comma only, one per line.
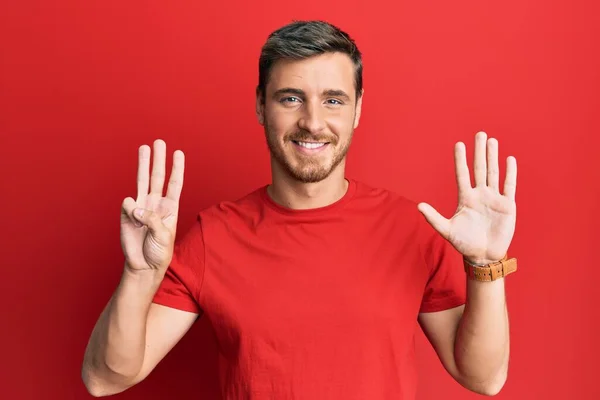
(480,262)
(145,280)
(490,271)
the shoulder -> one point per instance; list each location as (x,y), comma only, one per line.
(396,208)
(245,207)
(403,219)
(385,200)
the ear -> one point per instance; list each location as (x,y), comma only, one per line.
(260,107)
(358,108)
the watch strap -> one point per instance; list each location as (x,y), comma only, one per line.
(491,272)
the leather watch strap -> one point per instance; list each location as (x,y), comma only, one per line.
(491,272)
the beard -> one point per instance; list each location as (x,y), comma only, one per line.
(306,168)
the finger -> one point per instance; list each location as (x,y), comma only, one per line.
(463,179)
(129,204)
(176,179)
(510,182)
(479,161)
(149,219)
(492,165)
(157,180)
(435,219)
(143,174)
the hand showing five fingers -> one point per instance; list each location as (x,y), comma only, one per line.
(148,239)
(484,222)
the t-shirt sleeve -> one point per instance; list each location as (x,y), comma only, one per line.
(181,285)
(446,286)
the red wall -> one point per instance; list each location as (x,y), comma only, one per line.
(83,84)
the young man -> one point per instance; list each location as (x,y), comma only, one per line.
(314,284)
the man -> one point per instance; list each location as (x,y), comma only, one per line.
(314,283)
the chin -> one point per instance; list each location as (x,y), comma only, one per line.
(310,169)
(310,178)
(313,171)
(308,175)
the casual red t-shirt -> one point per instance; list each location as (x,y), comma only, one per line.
(315,304)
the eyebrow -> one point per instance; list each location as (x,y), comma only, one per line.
(300,92)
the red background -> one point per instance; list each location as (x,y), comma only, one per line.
(83,84)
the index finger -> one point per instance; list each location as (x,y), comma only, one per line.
(463,178)
(143,174)
(176,178)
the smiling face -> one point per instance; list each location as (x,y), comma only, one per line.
(309,114)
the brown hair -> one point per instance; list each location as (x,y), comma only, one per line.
(303,39)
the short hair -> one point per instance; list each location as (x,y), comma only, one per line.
(303,39)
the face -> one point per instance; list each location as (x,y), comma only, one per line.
(309,114)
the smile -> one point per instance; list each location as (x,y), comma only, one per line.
(310,145)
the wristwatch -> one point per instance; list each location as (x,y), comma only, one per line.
(491,272)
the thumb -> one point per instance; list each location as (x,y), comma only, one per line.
(149,219)
(435,219)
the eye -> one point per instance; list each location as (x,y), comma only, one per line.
(290,99)
(334,102)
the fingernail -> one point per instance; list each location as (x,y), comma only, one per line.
(139,213)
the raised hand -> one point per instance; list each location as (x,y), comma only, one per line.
(484,222)
(148,223)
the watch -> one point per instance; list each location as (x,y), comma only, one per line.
(491,272)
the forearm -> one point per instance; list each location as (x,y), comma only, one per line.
(115,352)
(482,343)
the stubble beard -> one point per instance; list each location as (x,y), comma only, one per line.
(306,169)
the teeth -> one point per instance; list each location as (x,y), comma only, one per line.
(311,145)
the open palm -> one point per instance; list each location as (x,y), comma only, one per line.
(484,222)
(147,240)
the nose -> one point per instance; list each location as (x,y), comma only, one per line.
(312,119)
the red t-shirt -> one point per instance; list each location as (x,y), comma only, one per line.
(315,304)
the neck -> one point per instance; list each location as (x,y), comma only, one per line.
(301,196)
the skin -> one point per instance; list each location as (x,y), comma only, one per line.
(311,100)
(473,341)
(133,334)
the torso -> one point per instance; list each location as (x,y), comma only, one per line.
(314,305)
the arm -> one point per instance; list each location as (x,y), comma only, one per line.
(131,336)
(472,341)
